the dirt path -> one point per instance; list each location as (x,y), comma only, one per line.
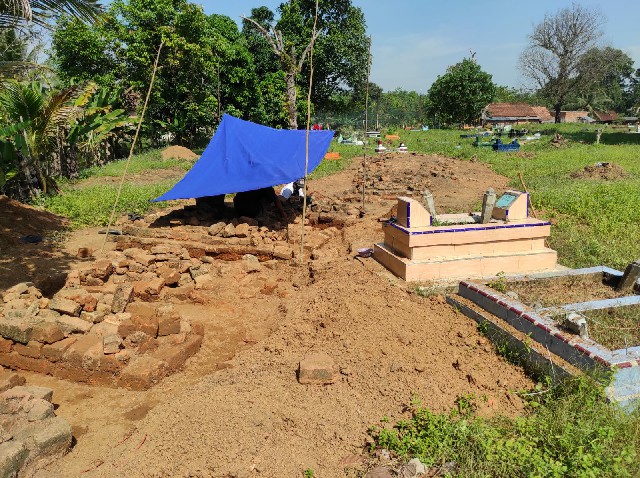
(237,409)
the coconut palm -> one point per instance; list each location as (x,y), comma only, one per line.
(40,12)
(38,114)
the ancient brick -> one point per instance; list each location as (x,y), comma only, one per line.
(43,393)
(17,361)
(101,269)
(111,344)
(204,282)
(141,309)
(197,328)
(73,325)
(142,372)
(177,293)
(121,297)
(54,438)
(55,351)
(47,332)
(85,352)
(32,349)
(65,306)
(318,369)
(39,410)
(162,249)
(18,330)
(5,345)
(168,321)
(13,455)
(9,379)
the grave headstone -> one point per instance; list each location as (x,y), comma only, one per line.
(630,276)
(488,203)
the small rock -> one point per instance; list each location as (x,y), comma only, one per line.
(12,456)
(228,231)
(242,230)
(121,297)
(216,229)
(318,369)
(250,263)
(379,472)
(43,393)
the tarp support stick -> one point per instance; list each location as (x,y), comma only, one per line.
(135,139)
(306,158)
(366,127)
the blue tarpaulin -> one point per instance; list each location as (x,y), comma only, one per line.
(243,156)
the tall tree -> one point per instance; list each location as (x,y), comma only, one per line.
(459,96)
(206,68)
(556,47)
(340,47)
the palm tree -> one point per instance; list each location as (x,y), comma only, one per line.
(35,116)
(16,13)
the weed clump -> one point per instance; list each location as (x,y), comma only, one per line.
(570,431)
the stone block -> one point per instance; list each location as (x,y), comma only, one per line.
(242,230)
(250,263)
(121,297)
(42,393)
(171,276)
(162,249)
(55,351)
(282,251)
(142,372)
(85,352)
(111,344)
(65,306)
(318,369)
(178,293)
(5,345)
(54,438)
(168,321)
(141,309)
(204,282)
(101,269)
(228,231)
(216,229)
(92,317)
(9,380)
(39,409)
(32,349)
(47,332)
(20,288)
(12,457)
(73,325)
(18,329)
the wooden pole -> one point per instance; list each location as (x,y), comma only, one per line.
(366,127)
(306,159)
(133,145)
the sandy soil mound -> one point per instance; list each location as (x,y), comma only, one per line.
(179,152)
(606,171)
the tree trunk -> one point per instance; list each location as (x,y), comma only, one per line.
(557,107)
(290,79)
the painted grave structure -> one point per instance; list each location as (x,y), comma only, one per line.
(550,326)
(420,246)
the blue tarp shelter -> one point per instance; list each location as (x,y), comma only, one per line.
(243,156)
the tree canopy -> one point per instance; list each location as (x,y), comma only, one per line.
(460,95)
(556,48)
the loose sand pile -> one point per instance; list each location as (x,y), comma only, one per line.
(180,153)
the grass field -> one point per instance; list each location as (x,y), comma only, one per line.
(595,221)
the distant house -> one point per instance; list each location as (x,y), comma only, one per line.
(575,117)
(503,114)
(606,117)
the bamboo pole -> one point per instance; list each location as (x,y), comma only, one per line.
(366,127)
(135,139)
(306,158)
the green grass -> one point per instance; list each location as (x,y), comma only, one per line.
(148,161)
(573,432)
(596,222)
(331,166)
(92,206)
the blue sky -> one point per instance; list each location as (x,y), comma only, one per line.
(414,41)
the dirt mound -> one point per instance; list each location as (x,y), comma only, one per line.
(179,152)
(606,171)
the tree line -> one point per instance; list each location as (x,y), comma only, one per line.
(78,108)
